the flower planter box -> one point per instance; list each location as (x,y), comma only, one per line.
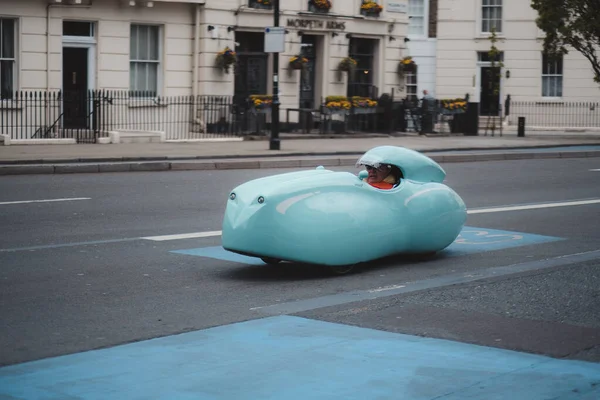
(364,110)
(265,110)
(367,13)
(335,111)
(313,8)
(260,6)
(446,111)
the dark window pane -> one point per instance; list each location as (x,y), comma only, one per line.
(250,42)
(77,28)
(7,36)
(6,79)
(153,43)
(498,26)
(133,43)
(362,50)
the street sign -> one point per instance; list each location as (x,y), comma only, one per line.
(275,39)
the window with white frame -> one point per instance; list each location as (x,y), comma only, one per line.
(7,57)
(410,79)
(416,15)
(144,60)
(491,16)
(552,76)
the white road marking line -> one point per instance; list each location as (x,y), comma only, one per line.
(533,206)
(192,235)
(44,201)
(195,235)
(385,288)
(595,170)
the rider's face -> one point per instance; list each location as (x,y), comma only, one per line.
(376,174)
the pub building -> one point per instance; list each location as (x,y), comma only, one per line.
(322,37)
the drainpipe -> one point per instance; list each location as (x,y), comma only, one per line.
(196,50)
(195,74)
(48,47)
(48,100)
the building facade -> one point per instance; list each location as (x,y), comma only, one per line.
(169,48)
(422,47)
(527,75)
(323,38)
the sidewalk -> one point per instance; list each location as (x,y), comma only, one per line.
(295,152)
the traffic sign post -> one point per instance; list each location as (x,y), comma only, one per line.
(275,43)
(275,39)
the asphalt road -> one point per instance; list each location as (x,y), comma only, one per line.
(75,274)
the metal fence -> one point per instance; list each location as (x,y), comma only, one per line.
(540,114)
(89,115)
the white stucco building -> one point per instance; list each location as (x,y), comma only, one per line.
(463,30)
(169,47)
(422,46)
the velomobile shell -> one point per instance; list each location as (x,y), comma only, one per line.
(333,218)
(414,165)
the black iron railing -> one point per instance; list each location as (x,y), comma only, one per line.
(87,116)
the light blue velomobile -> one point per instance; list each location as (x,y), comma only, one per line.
(336,219)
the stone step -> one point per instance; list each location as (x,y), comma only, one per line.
(130,136)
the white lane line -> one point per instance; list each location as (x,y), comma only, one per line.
(44,201)
(595,170)
(533,206)
(195,235)
(183,236)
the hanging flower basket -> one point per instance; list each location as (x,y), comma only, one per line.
(347,64)
(319,5)
(406,65)
(370,8)
(226,59)
(298,62)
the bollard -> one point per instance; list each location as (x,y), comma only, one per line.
(521,127)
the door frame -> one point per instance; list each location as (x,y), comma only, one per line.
(480,66)
(88,43)
(316,89)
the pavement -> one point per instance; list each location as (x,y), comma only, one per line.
(295,151)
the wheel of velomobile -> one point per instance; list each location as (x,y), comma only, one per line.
(341,269)
(270,260)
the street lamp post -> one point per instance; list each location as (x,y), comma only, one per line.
(274,143)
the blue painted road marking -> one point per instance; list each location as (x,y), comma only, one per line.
(219,253)
(477,240)
(471,240)
(287,357)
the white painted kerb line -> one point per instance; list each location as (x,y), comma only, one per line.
(44,201)
(533,206)
(192,235)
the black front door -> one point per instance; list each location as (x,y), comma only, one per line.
(75,87)
(307,77)
(250,76)
(490,91)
